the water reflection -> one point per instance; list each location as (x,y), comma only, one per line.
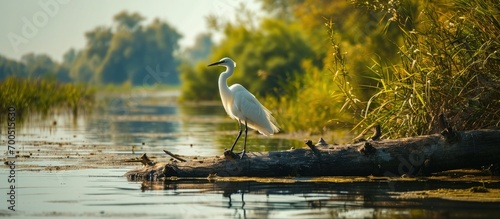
(322,200)
(159,121)
(152,122)
(146,122)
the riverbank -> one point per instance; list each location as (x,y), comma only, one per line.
(42,95)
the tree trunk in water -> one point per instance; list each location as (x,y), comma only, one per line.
(411,156)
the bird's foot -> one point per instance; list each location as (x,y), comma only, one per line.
(242,154)
(229,154)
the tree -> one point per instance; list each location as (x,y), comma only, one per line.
(98,41)
(113,68)
(160,45)
(83,68)
(128,52)
(362,37)
(266,56)
(200,50)
(128,21)
(11,67)
(38,65)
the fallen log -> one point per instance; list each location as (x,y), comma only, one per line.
(420,155)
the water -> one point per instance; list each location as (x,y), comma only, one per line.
(73,168)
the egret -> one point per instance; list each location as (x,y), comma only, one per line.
(242,106)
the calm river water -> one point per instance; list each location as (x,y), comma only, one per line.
(59,171)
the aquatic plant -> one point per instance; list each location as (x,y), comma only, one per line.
(41,95)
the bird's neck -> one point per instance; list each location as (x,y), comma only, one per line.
(223,88)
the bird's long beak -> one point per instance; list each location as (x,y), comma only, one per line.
(216,63)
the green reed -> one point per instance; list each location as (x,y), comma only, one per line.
(449,63)
(42,95)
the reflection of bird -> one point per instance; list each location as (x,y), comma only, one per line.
(242,105)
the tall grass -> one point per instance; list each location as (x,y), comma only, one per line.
(41,95)
(305,103)
(449,64)
(310,103)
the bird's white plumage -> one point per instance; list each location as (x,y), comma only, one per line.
(247,108)
(242,105)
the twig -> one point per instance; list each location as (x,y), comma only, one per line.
(448,132)
(313,148)
(376,136)
(146,161)
(321,142)
(174,156)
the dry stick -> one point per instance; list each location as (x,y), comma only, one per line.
(448,132)
(315,150)
(376,136)
(146,161)
(174,156)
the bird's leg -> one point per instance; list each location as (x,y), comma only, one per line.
(245,142)
(238,137)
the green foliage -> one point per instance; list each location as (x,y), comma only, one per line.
(32,66)
(315,101)
(200,50)
(124,55)
(308,103)
(400,64)
(10,67)
(448,64)
(41,95)
(128,52)
(265,58)
(199,82)
(362,33)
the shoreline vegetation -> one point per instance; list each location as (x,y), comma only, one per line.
(42,95)
(319,66)
(127,87)
(441,63)
(397,64)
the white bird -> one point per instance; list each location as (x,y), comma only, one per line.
(242,105)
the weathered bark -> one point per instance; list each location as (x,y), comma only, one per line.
(410,156)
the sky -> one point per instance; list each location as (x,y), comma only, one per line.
(54,26)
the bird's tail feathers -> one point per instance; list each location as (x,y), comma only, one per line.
(274,124)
